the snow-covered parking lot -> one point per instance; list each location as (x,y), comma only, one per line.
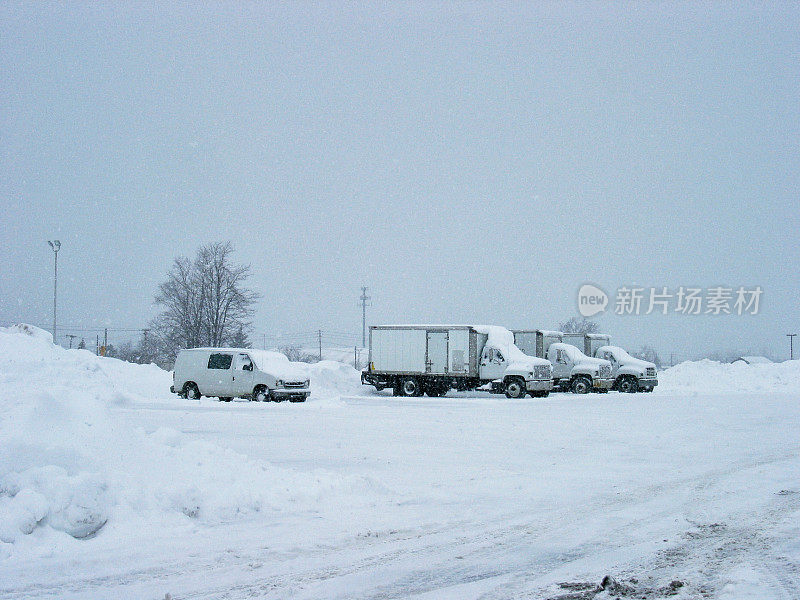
(692,491)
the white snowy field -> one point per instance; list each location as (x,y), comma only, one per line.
(111,487)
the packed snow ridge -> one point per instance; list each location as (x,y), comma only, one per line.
(69,467)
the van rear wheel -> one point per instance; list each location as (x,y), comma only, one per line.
(190,390)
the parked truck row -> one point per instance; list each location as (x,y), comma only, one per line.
(414,360)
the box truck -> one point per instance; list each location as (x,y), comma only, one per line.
(432,359)
(630,374)
(572,370)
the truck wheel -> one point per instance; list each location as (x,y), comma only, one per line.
(410,387)
(581,385)
(515,388)
(629,385)
(260,394)
(190,390)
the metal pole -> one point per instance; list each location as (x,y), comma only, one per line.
(364,299)
(319,334)
(55,293)
(55,245)
(791,337)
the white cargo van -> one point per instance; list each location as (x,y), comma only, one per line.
(229,373)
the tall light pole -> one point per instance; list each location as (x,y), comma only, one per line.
(56,246)
(364,299)
(791,337)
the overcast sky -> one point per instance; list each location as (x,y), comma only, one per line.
(467,162)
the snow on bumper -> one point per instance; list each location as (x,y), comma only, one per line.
(291,393)
(539,385)
(648,382)
(599,383)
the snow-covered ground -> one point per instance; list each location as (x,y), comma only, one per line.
(111,487)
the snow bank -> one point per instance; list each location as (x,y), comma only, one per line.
(70,463)
(704,376)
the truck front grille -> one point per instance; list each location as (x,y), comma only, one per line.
(543,372)
(605,371)
(294,384)
(651,371)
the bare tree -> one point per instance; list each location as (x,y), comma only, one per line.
(576,325)
(205,302)
(649,354)
(295,354)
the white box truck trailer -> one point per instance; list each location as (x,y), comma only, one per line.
(432,359)
(572,370)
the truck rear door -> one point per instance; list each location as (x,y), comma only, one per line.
(436,360)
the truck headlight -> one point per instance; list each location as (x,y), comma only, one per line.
(307,382)
(279,383)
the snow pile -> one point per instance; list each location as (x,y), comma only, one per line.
(705,375)
(70,463)
(329,379)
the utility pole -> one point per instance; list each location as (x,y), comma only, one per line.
(791,337)
(364,299)
(105,338)
(56,246)
(355,357)
(319,337)
(71,337)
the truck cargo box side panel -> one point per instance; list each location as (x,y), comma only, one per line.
(459,351)
(399,350)
(526,341)
(595,341)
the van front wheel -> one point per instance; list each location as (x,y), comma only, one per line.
(260,394)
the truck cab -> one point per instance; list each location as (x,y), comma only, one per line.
(574,371)
(511,371)
(630,374)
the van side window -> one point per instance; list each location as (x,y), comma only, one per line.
(220,361)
